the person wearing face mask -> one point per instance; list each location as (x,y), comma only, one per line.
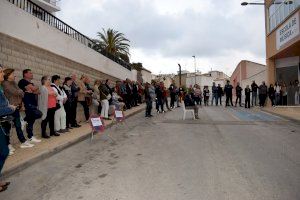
(5,111)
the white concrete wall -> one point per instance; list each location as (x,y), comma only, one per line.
(21,25)
(147,76)
(133,76)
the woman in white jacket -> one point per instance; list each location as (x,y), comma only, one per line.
(60,113)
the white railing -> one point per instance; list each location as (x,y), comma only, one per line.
(282,11)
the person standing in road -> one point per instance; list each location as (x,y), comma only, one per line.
(228,91)
(214,94)
(238,92)
(220,93)
(190,104)
(198,95)
(247,97)
(172,90)
(263,90)
(254,88)
(206,95)
(149,95)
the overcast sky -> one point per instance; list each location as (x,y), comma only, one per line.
(163,33)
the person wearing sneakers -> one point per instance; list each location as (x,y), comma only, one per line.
(5,110)
(30,103)
(14,95)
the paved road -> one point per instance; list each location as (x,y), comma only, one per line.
(227,154)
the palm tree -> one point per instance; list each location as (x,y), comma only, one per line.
(113,42)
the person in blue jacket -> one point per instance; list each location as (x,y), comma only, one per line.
(5,110)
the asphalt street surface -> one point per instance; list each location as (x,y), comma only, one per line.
(232,153)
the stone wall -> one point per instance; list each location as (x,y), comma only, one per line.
(20,55)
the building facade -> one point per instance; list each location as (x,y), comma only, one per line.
(246,72)
(283,44)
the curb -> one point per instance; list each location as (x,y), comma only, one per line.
(47,154)
(283,116)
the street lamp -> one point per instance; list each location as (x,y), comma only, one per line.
(179,75)
(195,67)
(247,3)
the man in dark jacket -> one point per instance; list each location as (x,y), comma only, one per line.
(263,91)
(228,91)
(220,94)
(172,90)
(190,104)
(30,103)
(238,92)
(254,87)
(247,96)
(74,99)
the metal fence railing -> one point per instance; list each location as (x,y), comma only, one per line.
(53,21)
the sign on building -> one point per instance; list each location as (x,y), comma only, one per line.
(288,31)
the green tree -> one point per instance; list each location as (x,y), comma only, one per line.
(113,42)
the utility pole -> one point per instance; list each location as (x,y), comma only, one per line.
(179,75)
(195,68)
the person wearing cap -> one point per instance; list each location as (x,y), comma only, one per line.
(5,110)
(14,95)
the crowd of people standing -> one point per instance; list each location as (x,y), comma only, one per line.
(55,103)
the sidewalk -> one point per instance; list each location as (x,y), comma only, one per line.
(291,113)
(24,158)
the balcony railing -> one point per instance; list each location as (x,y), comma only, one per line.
(279,12)
(53,21)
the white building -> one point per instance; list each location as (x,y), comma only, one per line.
(206,79)
(34,38)
(49,5)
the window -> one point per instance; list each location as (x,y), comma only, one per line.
(280,10)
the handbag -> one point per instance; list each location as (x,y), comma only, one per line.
(57,106)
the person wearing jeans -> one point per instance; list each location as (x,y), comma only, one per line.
(30,103)
(14,95)
(5,110)
(214,94)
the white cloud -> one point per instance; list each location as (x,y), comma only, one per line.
(162,33)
